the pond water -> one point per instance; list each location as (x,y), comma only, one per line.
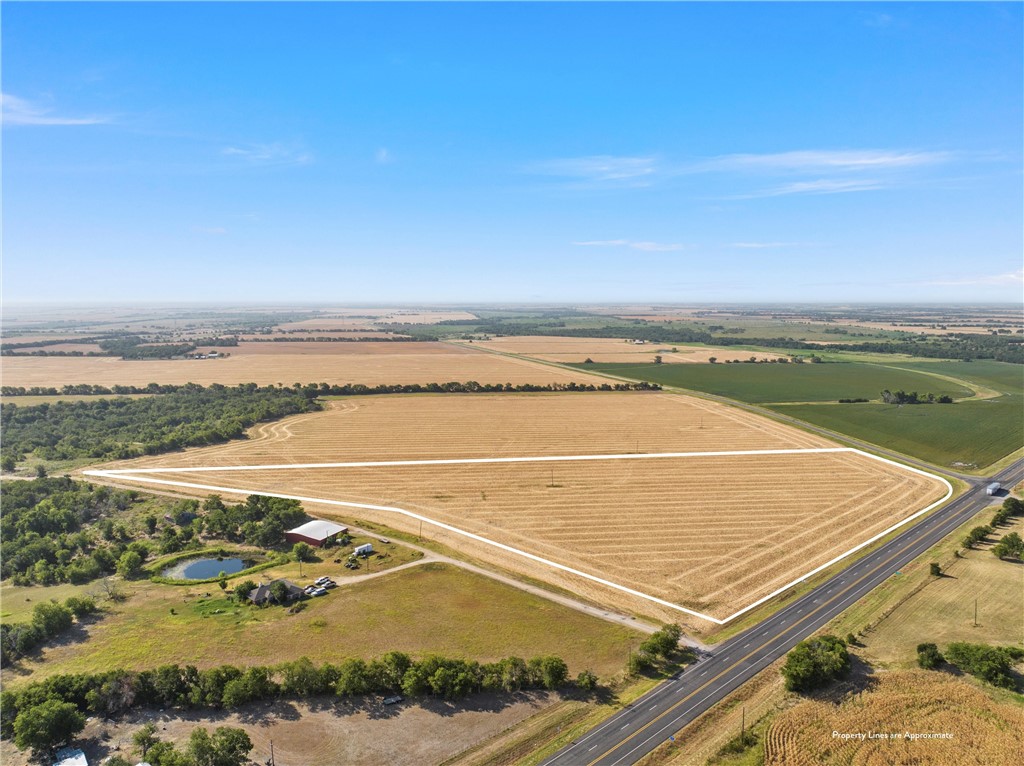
(202,569)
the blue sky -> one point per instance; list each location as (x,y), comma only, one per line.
(512,152)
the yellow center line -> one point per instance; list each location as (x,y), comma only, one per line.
(743,659)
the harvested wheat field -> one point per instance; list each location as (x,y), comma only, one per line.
(266,364)
(711,533)
(577,350)
(983,731)
(343,318)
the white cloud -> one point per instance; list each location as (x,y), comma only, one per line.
(383,156)
(269,154)
(18,111)
(649,247)
(763,245)
(1010,278)
(819,186)
(599,169)
(810,161)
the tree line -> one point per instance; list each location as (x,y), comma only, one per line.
(992,664)
(912,397)
(116,692)
(331,389)
(125,428)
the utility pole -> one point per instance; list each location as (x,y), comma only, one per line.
(271,762)
(975,612)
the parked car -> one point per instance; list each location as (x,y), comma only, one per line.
(329,584)
(385,540)
(318,592)
(322,580)
(392,700)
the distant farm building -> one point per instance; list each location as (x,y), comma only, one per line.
(261,593)
(317,532)
(364,550)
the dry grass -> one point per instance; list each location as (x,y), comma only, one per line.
(266,364)
(576,350)
(985,731)
(433,608)
(711,533)
(943,611)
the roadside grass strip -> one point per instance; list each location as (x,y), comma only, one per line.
(151,476)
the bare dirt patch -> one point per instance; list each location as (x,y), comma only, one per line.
(329,732)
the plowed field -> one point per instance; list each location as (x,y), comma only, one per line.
(271,363)
(713,533)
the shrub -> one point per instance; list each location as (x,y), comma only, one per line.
(928,656)
(815,663)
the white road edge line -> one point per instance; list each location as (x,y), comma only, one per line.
(133,474)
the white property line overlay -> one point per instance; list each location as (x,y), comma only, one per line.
(131,474)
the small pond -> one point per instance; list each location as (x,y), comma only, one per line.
(203,569)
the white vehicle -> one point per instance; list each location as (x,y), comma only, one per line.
(319,592)
(322,580)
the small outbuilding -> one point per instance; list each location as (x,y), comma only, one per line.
(69,756)
(316,533)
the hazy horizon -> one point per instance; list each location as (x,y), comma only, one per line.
(386,154)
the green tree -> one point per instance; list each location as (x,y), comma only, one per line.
(1011,546)
(279,592)
(150,522)
(935,568)
(302,552)
(8,464)
(145,738)
(51,618)
(815,662)
(929,656)
(553,672)
(48,725)
(243,589)
(129,565)
(353,678)
(586,680)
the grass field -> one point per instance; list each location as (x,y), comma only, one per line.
(984,730)
(763,383)
(965,435)
(943,611)
(714,533)
(430,608)
(978,430)
(271,363)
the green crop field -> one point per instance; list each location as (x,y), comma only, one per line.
(763,383)
(433,608)
(977,431)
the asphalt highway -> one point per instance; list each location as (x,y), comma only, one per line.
(642,726)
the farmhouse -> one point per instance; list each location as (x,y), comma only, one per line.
(261,593)
(317,532)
